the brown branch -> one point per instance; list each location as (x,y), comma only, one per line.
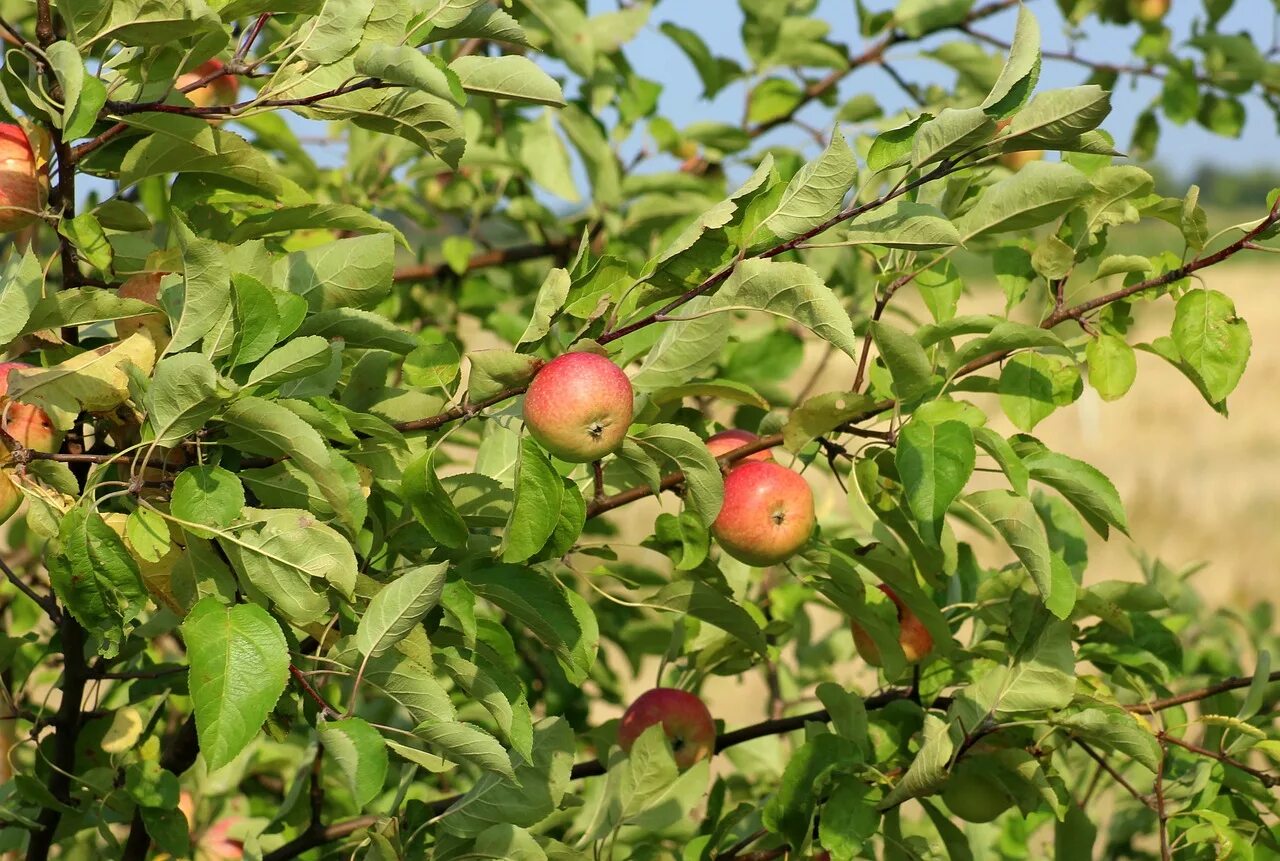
(309,840)
(1166,854)
(1115,775)
(463,411)
(47,603)
(487,259)
(322,704)
(874,53)
(1268,780)
(1231,684)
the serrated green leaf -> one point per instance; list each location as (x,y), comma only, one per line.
(360,754)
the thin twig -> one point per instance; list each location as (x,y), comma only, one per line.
(301,678)
(1268,780)
(1166,854)
(1115,775)
(45,602)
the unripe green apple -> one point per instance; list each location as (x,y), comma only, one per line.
(579,407)
(972,795)
(767,514)
(684,718)
(1148,11)
(21,189)
(913,636)
(727,440)
(219,91)
(27,424)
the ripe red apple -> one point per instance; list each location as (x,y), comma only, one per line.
(21,191)
(1148,11)
(684,718)
(727,440)
(27,424)
(579,407)
(219,91)
(767,514)
(913,636)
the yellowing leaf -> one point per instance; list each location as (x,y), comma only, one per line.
(93,381)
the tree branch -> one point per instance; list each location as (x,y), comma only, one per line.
(487,259)
(1268,780)
(322,704)
(1231,684)
(44,602)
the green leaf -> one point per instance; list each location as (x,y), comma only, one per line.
(432,365)
(551,297)
(892,147)
(906,360)
(312,216)
(1033,196)
(256,319)
(239,667)
(1113,729)
(1112,366)
(188,145)
(849,819)
(524,800)
(790,290)
(815,193)
(952,132)
(431,504)
(1033,385)
(298,358)
(99,583)
(89,239)
(702,602)
(929,768)
(208,495)
(790,810)
(348,273)
(94,381)
(1086,488)
(546,158)
(508,77)
(1057,116)
(1015,518)
(1021,71)
(598,158)
(398,607)
(276,431)
(403,64)
(21,287)
(493,371)
(1000,449)
(147,534)
(904,224)
(360,329)
(820,415)
(1040,676)
(202,298)
(724,390)
(182,397)
(360,754)
(714,72)
(703,481)
(290,557)
(935,462)
(545,608)
(1213,341)
(463,742)
(536,511)
(685,349)
(1005,337)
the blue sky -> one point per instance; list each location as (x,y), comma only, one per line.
(1181,147)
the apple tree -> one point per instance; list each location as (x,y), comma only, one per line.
(394,397)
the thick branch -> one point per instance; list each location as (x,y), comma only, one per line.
(1231,684)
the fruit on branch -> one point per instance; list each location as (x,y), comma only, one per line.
(10,496)
(767,513)
(220,91)
(913,636)
(1016,161)
(685,721)
(973,795)
(579,407)
(145,287)
(216,843)
(27,424)
(23,183)
(1148,11)
(727,440)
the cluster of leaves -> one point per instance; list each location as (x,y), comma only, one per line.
(290,566)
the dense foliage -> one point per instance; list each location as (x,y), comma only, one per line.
(289,578)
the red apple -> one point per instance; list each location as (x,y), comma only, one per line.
(579,407)
(767,514)
(727,440)
(27,424)
(684,718)
(219,91)
(21,191)
(913,636)
(215,843)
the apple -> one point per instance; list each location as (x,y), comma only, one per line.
(727,440)
(219,91)
(972,795)
(21,189)
(684,718)
(216,843)
(27,424)
(146,287)
(1015,161)
(10,496)
(913,636)
(767,513)
(579,407)
(1148,11)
